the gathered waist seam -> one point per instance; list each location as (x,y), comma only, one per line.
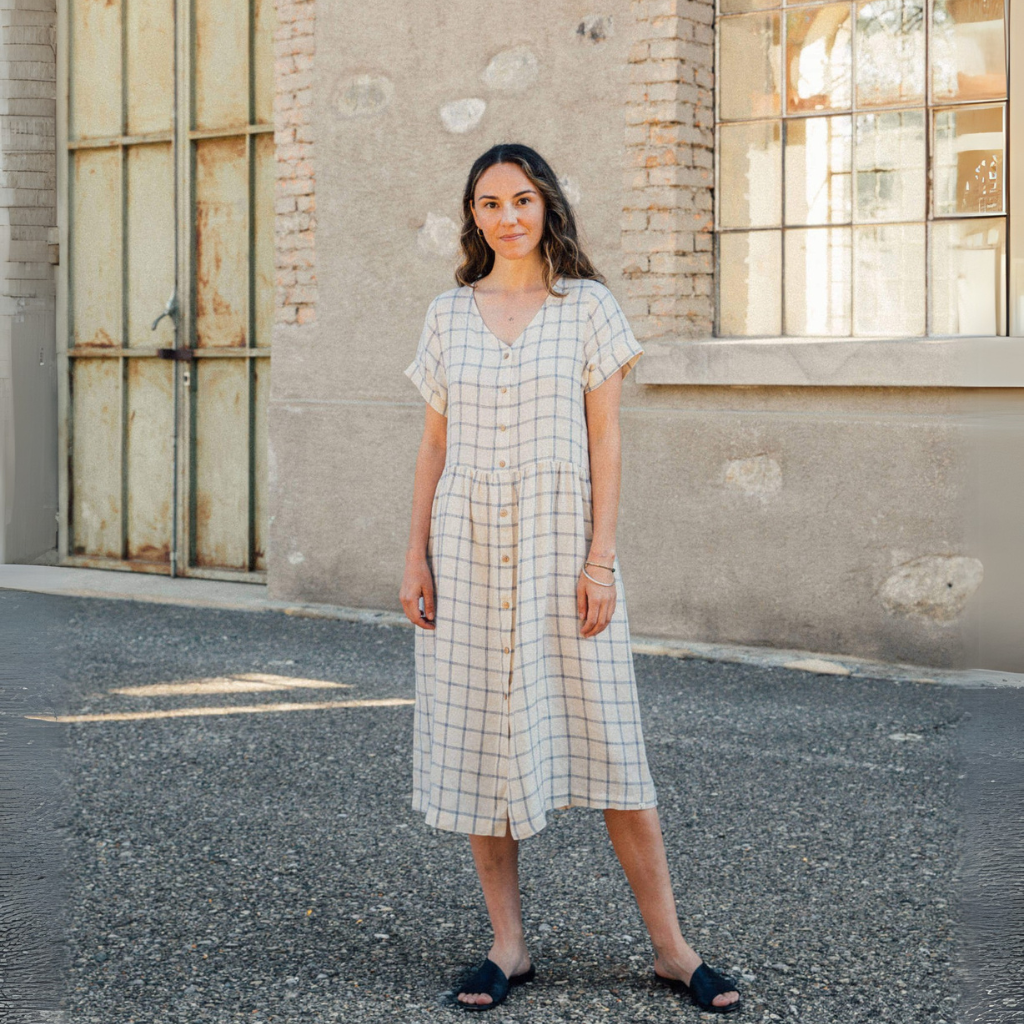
(513,472)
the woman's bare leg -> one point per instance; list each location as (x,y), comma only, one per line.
(497,865)
(637,840)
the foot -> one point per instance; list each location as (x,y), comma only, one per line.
(511,959)
(682,968)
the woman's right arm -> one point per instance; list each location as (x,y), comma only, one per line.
(417,581)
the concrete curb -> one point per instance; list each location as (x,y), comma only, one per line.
(115,585)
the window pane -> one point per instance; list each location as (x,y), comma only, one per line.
(750,286)
(818,281)
(968,51)
(888,280)
(968,160)
(890,165)
(742,6)
(890,52)
(818,55)
(750,47)
(818,170)
(750,168)
(968,290)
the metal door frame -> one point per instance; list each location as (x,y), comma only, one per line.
(182,136)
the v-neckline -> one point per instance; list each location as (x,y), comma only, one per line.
(515,341)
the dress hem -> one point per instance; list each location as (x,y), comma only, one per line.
(449,822)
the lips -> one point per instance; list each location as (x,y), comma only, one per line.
(512,238)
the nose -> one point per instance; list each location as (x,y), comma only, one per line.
(508,214)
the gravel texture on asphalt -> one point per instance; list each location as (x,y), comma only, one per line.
(268,867)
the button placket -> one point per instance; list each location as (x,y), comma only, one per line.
(504,418)
(505,577)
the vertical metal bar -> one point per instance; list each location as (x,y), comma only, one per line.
(250,364)
(929,181)
(62,319)
(783,139)
(1014,157)
(192,391)
(184,121)
(177,318)
(716,286)
(122,361)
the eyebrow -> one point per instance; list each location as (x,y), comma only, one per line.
(522,192)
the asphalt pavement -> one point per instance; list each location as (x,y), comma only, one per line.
(238,843)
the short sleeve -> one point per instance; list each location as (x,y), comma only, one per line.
(426,371)
(610,342)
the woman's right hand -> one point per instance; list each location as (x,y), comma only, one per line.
(416,583)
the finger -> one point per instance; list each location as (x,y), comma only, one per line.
(581,600)
(413,614)
(604,614)
(428,603)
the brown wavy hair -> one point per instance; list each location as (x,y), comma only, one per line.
(559,245)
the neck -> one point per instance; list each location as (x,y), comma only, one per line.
(522,275)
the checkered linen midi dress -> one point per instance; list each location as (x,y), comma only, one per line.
(515,711)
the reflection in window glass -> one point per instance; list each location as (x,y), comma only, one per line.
(968,50)
(750,47)
(968,260)
(750,160)
(818,281)
(818,58)
(892,116)
(888,280)
(968,160)
(818,171)
(890,52)
(890,165)
(750,283)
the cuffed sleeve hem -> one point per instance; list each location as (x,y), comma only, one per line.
(433,394)
(623,355)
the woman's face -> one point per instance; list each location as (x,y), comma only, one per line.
(509,210)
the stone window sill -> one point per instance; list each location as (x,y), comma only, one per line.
(981,362)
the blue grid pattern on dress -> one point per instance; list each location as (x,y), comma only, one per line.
(515,712)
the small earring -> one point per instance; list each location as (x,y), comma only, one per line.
(480,232)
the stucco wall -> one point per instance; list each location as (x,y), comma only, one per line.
(834,519)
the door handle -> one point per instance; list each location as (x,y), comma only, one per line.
(171,309)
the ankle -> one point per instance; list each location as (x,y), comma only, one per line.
(510,943)
(677,959)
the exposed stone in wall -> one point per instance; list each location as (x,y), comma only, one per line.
(759,476)
(439,236)
(667,209)
(28,170)
(461,116)
(513,70)
(295,199)
(932,587)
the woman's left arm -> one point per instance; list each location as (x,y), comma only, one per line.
(595,603)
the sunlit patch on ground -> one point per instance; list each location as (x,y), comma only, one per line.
(248,682)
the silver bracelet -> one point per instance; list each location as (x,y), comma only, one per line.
(598,582)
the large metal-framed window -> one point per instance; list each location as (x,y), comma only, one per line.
(861,185)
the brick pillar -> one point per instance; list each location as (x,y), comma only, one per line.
(667,208)
(28,155)
(295,198)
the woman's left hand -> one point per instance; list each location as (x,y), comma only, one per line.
(595,604)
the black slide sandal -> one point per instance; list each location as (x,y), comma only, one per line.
(489,979)
(705,984)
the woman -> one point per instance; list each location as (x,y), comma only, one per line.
(525,692)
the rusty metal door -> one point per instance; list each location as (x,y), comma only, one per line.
(166,286)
